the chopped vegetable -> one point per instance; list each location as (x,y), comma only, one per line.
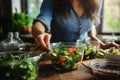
(62,59)
(91,52)
(71,50)
(18,67)
(113,51)
(66,57)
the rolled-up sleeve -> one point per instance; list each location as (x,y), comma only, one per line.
(46,13)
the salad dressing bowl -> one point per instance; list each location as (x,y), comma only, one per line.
(105,69)
(66,55)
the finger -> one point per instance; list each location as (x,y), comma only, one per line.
(42,48)
(47,39)
(115,45)
(41,41)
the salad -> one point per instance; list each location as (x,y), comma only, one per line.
(113,51)
(91,52)
(112,54)
(66,56)
(18,66)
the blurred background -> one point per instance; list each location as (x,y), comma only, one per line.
(17,15)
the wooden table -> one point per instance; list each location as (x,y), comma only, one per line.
(47,72)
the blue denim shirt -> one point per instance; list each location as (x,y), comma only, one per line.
(64,29)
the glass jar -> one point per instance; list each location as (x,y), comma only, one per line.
(10,44)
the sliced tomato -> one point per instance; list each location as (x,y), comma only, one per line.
(62,59)
(71,50)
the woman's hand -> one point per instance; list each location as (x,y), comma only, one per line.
(113,44)
(92,35)
(43,40)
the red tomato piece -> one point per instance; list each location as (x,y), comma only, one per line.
(61,60)
(71,50)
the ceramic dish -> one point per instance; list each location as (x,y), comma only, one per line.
(112,54)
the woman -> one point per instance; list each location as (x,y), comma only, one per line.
(67,21)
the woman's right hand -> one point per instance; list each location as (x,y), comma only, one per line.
(43,40)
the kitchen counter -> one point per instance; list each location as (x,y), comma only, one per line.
(47,72)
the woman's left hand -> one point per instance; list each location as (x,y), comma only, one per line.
(112,44)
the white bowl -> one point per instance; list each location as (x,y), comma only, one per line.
(112,54)
(112,57)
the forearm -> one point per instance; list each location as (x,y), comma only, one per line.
(38,28)
(96,39)
(92,35)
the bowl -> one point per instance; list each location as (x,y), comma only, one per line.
(25,46)
(112,54)
(17,47)
(66,55)
(91,50)
(19,65)
(105,69)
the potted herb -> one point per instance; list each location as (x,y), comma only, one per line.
(20,21)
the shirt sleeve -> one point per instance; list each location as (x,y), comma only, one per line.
(97,21)
(46,13)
